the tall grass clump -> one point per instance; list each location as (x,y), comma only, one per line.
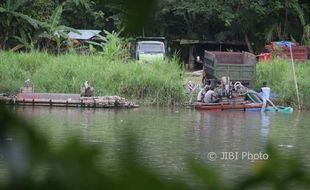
(279,75)
(16,68)
(159,82)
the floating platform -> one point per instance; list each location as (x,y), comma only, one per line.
(244,106)
(66,100)
(235,103)
(225,106)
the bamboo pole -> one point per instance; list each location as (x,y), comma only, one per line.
(294,75)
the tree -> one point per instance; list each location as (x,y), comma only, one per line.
(84,14)
(191,19)
(242,18)
(13,22)
(254,22)
(283,19)
(54,31)
(251,21)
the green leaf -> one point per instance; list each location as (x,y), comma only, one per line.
(55,18)
(33,22)
(94,43)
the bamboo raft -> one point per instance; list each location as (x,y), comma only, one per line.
(239,103)
(236,103)
(66,100)
(226,106)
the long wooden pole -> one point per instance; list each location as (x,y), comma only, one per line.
(294,74)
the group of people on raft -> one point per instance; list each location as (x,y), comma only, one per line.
(208,94)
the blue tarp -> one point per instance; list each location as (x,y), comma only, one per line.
(285,43)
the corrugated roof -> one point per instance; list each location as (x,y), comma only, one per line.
(85,34)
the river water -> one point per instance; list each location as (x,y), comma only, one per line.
(168,136)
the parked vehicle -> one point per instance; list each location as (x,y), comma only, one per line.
(238,66)
(281,49)
(150,49)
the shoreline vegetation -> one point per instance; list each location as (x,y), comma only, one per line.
(158,83)
(279,75)
(148,84)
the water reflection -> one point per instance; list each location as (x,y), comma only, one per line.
(167,135)
(264,128)
(224,130)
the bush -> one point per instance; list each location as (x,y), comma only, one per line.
(279,75)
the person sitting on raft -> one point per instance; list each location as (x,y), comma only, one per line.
(210,96)
(202,93)
(86,90)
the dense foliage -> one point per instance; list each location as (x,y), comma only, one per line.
(254,22)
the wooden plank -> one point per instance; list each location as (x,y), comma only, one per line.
(227,106)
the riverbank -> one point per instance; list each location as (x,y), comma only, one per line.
(279,75)
(159,83)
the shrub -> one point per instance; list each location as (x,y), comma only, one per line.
(279,75)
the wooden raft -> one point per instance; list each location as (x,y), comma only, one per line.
(67,100)
(237,103)
(221,106)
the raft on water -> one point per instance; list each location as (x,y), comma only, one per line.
(66,100)
(245,106)
(224,106)
(239,103)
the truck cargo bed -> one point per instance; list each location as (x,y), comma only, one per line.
(239,66)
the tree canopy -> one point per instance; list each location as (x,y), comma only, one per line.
(252,21)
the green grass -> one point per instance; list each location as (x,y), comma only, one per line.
(159,82)
(279,75)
